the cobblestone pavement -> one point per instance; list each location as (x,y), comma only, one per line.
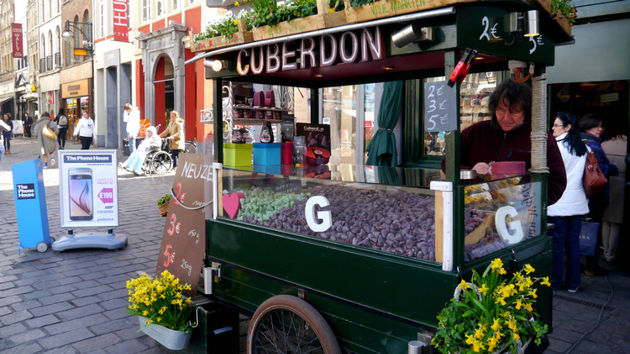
(75,301)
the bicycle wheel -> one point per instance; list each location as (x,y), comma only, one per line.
(191,147)
(287,324)
(161,163)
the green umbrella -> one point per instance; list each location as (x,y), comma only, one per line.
(382,148)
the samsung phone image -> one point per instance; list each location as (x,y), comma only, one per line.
(80,191)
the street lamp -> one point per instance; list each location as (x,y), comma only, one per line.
(67,34)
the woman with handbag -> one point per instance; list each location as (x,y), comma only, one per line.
(591,126)
(46,131)
(566,214)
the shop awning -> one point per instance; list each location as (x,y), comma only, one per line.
(6,97)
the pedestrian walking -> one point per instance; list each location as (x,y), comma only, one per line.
(4,127)
(85,130)
(566,214)
(132,118)
(174,134)
(28,124)
(62,126)
(591,126)
(46,131)
(6,134)
(612,219)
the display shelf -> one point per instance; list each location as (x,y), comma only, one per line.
(254,121)
(258,108)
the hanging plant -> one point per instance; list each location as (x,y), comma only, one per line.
(269,13)
(565,8)
(227,26)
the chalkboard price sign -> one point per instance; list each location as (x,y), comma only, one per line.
(184,237)
(440,113)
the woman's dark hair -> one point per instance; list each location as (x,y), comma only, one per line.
(45,114)
(573,138)
(589,121)
(515,94)
(61,112)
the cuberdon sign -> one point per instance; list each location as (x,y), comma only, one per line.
(312,52)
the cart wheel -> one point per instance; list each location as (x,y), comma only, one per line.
(42,247)
(287,324)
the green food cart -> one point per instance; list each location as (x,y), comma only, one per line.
(344,255)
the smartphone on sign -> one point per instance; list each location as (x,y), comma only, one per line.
(80,187)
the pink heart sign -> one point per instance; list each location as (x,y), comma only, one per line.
(232,203)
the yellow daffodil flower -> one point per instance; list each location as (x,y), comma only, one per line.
(483,290)
(495,325)
(236,22)
(236,3)
(518,304)
(528,307)
(516,336)
(502,271)
(532,293)
(479,333)
(463,285)
(470,339)
(497,263)
(545,281)
(529,269)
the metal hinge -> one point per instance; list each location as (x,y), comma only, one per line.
(211,275)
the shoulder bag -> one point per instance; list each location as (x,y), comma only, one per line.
(49,133)
(594,179)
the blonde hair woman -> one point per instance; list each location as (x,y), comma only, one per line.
(174,133)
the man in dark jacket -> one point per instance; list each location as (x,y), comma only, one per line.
(28,123)
(507,137)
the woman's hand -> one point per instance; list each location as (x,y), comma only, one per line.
(481,168)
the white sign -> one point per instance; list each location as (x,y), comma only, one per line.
(88,188)
(512,232)
(318,221)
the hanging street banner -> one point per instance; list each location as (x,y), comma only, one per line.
(121,20)
(88,188)
(17,40)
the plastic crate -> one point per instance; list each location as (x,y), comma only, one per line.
(237,155)
(267,154)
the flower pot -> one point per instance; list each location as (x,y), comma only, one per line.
(169,338)
(299,25)
(163,209)
(221,41)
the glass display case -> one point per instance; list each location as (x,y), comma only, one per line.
(383,209)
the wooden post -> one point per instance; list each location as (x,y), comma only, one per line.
(322,7)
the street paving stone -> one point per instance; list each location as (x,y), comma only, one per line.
(75,301)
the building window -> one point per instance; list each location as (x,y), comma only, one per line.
(160,8)
(146,10)
(176,4)
(101,19)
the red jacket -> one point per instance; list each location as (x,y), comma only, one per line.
(486,142)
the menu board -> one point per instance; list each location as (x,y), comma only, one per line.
(440,112)
(184,237)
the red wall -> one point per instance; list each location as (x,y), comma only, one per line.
(190,99)
(140,88)
(160,103)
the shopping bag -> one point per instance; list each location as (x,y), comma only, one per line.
(588,238)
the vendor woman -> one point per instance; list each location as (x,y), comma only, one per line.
(507,137)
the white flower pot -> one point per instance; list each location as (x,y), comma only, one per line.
(169,338)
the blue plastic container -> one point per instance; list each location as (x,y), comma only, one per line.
(267,154)
(30,205)
(268,169)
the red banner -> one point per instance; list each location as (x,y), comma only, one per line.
(18,48)
(121,20)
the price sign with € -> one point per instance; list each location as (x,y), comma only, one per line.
(183,240)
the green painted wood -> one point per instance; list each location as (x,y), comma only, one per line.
(475,30)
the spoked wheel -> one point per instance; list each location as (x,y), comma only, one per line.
(161,163)
(287,324)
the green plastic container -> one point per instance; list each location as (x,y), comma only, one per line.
(237,155)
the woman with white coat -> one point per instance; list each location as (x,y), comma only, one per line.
(85,131)
(566,214)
